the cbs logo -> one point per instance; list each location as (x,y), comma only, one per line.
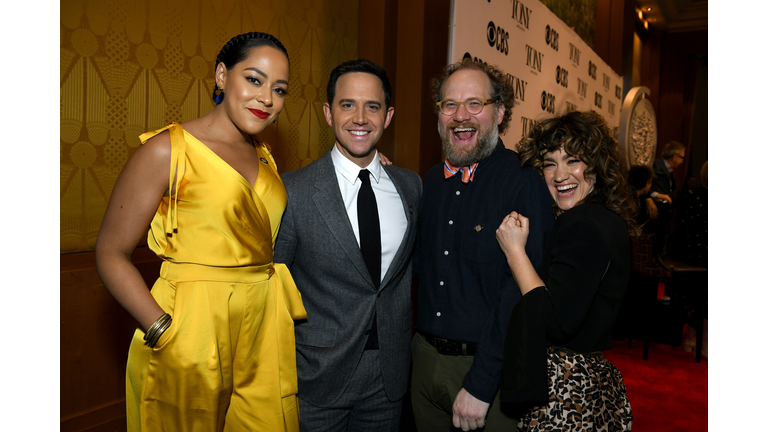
(548,102)
(562,76)
(552,38)
(475,59)
(498,37)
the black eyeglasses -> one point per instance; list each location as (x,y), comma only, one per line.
(473,105)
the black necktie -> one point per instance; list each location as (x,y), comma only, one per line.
(370,241)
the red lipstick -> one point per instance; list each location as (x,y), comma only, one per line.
(259,113)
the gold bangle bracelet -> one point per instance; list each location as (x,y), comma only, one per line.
(153,327)
(155,335)
(159,332)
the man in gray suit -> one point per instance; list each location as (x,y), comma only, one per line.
(347,236)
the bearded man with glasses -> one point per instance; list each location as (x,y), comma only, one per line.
(466,291)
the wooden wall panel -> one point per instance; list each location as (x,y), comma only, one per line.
(410,49)
(435,57)
(614,26)
(95,332)
(678,53)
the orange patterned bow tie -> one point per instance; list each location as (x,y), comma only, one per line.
(467,172)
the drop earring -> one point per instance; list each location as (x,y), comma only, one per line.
(217,98)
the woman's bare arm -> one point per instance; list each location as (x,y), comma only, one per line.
(135,198)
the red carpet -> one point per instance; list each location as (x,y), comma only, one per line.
(668,392)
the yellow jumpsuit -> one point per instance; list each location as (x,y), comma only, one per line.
(228,361)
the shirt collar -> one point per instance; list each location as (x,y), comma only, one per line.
(669,168)
(350,171)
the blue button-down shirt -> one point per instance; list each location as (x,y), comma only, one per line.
(466,289)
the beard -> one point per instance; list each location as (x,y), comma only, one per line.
(484,146)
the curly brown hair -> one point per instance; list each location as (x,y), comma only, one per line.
(586,136)
(502,88)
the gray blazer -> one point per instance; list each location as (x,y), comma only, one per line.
(317,243)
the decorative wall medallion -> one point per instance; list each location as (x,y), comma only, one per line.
(637,127)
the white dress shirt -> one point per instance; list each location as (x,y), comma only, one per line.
(392,219)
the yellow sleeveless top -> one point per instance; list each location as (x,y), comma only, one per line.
(214,217)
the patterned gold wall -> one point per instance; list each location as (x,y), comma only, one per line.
(132,66)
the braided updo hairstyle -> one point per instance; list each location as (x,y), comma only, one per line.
(236,50)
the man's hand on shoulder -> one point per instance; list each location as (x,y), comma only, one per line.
(468,411)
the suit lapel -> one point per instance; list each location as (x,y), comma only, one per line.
(330,205)
(397,261)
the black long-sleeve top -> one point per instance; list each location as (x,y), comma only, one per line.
(585,272)
(466,290)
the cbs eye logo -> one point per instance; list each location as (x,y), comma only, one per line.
(498,37)
(548,102)
(562,76)
(552,38)
(475,59)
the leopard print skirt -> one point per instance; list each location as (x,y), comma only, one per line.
(586,393)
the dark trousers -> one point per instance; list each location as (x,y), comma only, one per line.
(435,382)
(363,407)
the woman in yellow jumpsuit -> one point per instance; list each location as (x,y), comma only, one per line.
(213,200)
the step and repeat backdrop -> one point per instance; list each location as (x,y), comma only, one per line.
(554,71)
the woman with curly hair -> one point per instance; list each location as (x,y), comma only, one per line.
(554,368)
(215,348)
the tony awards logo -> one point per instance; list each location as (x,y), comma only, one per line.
(582,88)
(520,13)
(527,125)
(533,58)
(520,86)
(575,53)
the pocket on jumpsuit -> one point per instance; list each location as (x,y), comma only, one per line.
(184,370)
(165,296)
